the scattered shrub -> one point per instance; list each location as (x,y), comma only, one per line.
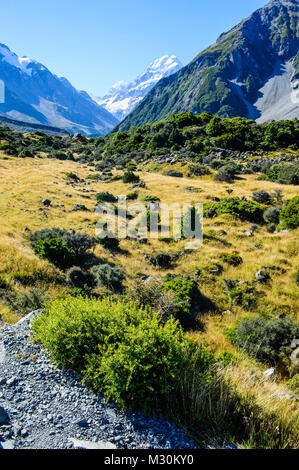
(290,213)
(108,276)
(174,173)
(161,260)
(109,241)
(271,215)
(261,196)
(241,209)
(76,277)
(267,340)
(130,177)
(231,258)
(105,197)
(56,251)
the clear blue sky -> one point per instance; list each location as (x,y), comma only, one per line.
(95,43)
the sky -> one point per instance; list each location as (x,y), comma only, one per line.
(95,43)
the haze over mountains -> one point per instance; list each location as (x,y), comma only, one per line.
(123,97)
(35,95)
(251,71)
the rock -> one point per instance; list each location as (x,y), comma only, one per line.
(79,207)
(82,423)
(4,418)
(12,381)
(248,234)
(27,319)
(295,344)
(46,202)
(7,445)
(262,276)
(283,395)
(270,373)
(295,356)
(101,445)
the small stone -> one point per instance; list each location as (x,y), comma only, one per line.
(12,381)
(46,202)
(269,373)
(24,433)
(82,423)
(4,418)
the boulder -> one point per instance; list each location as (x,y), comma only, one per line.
(46,202)
(4,418)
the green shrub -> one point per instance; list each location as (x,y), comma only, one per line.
(108,276)
(109,241)
(186,293)
(290,214)
(105,197)
(76,277)
(174,173)
(161,260)
(231,258)
(240,209)
(150,198)
(23,278)
(297,277)
(132,196)
(123,350)
(293,384)
(271,215)
(72,176)
(3,283)
(24,302)
(261,196)
(56,251)
(130,177)
(242,295)
(267,340)
(199,170)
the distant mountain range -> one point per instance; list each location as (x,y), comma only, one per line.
(251,71)
(123,97)
(35,95)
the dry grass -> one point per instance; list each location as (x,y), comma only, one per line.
(26,182)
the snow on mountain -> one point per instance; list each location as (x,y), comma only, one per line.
(123,97)
(34,95)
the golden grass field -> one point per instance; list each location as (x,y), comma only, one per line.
(24,183)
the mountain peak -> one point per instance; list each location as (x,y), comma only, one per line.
(123,97)
(251,71)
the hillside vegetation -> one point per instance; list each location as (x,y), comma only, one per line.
(149,323)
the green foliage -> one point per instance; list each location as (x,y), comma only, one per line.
(261,196)
(25,301)
(293,384)
(186,293)
(174,173)
(108,276)
(105,197)
(161,260)
(240,209)
(231,258)
(297,277)
(290,214)
(271,215)
(76,277)
(56,251)
(109,241)
(267,340)
(123,350)
(130,177)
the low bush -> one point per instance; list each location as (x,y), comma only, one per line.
(240,209)
(262,197)
(290,214)
(108,276)
(105,197)
(231,258)
(109,241)
(174,173)
(56,251)
(161,260)
(123,350)
(130,177)
(267,340)
(77,278)
(271,215)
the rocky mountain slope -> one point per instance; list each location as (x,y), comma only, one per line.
(35,95)
(124,97)
(251,71)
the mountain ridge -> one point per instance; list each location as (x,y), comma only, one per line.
(123,97)
(35,95)
(227,77)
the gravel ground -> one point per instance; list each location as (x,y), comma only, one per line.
(43,407)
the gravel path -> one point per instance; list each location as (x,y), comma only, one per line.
(43,407)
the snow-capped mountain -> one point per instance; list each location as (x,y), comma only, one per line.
(251,71)
(33,94)
(123,97)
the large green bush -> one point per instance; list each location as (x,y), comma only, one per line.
(56,251)
(122,350)
(240,209)
(267,340)
(290,213)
